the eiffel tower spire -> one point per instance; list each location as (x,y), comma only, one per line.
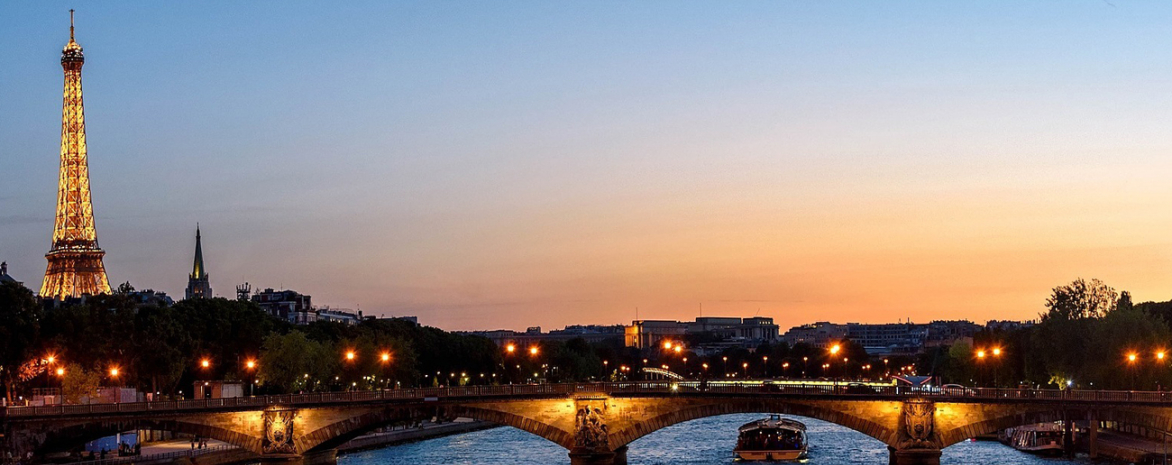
(75,260)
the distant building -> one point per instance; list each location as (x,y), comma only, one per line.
(642,334)
(4,278)
(589,333)
(738,331)
(198,286)
(410,318)
(820,335)
(338,315)
(150,297)
(286,305)
(949,332)
(885,338)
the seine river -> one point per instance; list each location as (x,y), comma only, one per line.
(705,441)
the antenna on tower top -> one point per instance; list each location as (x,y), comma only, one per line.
(71,24)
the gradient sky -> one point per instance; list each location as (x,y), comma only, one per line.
(506,164)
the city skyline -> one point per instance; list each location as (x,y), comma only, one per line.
(569,165)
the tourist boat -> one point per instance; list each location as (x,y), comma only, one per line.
(773,438)
(1041,438)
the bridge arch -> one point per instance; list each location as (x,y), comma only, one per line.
(852,418)
(335,434)
(78,434)
(992,419)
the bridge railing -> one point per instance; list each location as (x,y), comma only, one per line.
(846,390)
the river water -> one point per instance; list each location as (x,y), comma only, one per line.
(704,441)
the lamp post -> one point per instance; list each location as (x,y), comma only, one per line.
(1131,358)
(250,366)
(834,350)
(996,364)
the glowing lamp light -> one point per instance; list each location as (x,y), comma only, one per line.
(205,363)
(1160,355)
(114,372)
(835,348)
(385,357)
(980,354)
(60,372)
(678,349)
(350,355)
(250,364)
(533,350)
(667,345)
(996,351)
(511,348)
(1131,357)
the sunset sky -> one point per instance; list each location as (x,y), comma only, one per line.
(509,164)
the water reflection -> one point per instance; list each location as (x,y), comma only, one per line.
(704,441)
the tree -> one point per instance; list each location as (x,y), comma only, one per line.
(161,348)
(80,383)
(292,362)
(20,324)
(1080,299)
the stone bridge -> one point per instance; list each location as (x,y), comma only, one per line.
(594,422)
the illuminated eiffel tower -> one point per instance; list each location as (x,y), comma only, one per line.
(75,261)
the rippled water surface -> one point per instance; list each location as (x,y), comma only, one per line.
(704,441)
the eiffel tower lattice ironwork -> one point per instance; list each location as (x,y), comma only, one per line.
(75,261)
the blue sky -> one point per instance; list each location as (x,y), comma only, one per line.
(510,164)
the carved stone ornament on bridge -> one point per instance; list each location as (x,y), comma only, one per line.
(918,424)
(279,432)
(590,429)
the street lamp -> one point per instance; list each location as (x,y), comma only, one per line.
(533,351)
(997,358)
(205,363)
(350,355)
(511,348)
(250,364)
(1131,365)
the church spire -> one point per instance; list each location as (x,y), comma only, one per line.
(197,282)
(197,271)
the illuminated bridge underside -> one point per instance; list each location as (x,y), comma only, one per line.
(594,422)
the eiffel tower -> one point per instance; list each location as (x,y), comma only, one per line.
(75,261)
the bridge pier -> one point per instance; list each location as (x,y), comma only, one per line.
(914,457)
(617,457)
